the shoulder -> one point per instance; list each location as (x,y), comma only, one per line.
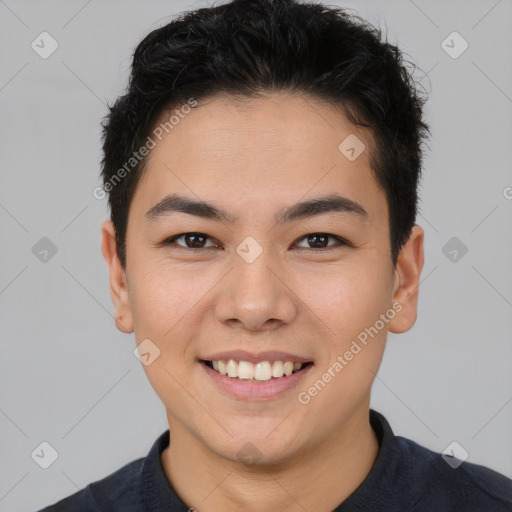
(120,490)
(442,486)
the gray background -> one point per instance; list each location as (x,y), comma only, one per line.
(70,378)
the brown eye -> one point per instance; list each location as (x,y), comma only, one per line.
(192,240)
(321,240)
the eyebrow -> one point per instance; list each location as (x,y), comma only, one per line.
(319,206)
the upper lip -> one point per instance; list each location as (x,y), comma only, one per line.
(243,355)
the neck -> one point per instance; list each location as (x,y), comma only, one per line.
(316,480)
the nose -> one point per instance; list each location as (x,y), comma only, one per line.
(255,296)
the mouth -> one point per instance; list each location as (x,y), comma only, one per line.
(249,375)
(256,372)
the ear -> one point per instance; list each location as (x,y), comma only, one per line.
(407,280)
(118,286)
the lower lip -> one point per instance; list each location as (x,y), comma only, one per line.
(255,390)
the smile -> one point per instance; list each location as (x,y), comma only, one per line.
(258,372)
(258,380)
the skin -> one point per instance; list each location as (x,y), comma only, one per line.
(254,158)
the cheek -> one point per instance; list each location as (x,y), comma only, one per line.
(163,310)
(160,296)
(170,302)
(350,305)
(350,297)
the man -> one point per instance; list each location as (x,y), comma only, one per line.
(262,172)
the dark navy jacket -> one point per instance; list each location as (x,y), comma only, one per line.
(405,477)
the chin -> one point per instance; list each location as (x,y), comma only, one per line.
(259,450)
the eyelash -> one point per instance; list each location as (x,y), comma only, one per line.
(342,241)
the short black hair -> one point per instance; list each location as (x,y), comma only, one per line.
(249,48)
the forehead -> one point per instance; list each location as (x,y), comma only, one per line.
(298,119)
(274,149)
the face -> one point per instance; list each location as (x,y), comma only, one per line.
(254,243)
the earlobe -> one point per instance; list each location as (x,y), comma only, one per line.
(407,280)
(117,277)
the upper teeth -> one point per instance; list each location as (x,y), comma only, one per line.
(263,370)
